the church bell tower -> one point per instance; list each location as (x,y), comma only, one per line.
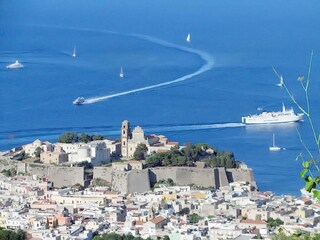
(125,136)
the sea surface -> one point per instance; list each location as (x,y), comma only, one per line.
(190,92)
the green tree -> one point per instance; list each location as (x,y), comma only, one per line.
(38,151)
(230,163)
(184,211)
(273,223)
(85,138)
(296,236)
(194,218)
(153,161)
(190,154)
(140,151)
(97,137)
(5,172)
(6,234)
(9,172)
(68,137)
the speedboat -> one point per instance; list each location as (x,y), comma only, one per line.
(15,65)
(79,101)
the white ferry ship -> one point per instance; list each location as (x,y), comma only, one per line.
(79,101)
(285,116)
(16,64)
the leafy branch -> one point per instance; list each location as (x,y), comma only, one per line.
(310,171)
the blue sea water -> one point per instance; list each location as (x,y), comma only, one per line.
(244,39)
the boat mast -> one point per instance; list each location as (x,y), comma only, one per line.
(273,140)
(74,51)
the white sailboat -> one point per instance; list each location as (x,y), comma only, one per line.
(188,38)
(74,54)
(280,84)
(121,74)
(274,147)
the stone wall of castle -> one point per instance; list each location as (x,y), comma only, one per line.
(134,180)
(59,175)
(138,181)
(205,177)
(126,182)
(244,175)
(142,180)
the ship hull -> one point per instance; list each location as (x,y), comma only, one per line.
(249,120)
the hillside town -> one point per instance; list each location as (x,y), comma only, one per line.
(179,212)
(48,196)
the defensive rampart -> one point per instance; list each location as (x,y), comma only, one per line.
(141,180)
(59,175)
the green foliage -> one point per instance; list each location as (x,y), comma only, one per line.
(140,152)
(9,172)
(97,137)
(184,211)
(310,168)
(115,236)
(12,235)
(84,138)
(194,218)
(70,137)
(273,223)
(167,182)
(155,160)
(99,182)
(191,154)
(38,151)
(222,159)
(300,235)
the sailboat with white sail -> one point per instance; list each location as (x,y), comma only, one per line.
(121,74)
(274,147)
(188,38)
(74,54)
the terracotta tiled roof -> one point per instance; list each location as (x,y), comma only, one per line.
(139,223)
(162,150)
(251,221)
(157,219)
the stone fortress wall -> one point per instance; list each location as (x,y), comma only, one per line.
(142,180)
(59,175)
(134,180)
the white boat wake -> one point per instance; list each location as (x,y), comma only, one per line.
(203,55)
(206,57)
(192,127)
